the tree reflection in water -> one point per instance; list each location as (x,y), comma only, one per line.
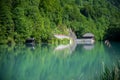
(44,63)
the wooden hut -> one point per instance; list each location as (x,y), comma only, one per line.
(30,41)
(87,38)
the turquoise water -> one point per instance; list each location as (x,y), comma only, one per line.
(50,62)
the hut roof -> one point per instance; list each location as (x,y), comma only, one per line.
(88,35)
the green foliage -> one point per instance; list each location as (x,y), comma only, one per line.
(21,19)
(113,74)
(59,41)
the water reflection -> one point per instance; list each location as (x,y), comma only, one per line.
(88,46)
(31,46)
(43,63)
(71,47)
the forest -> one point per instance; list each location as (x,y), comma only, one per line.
(41,19)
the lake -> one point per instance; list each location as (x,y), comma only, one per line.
(57,62)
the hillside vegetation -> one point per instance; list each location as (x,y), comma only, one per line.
(21,19)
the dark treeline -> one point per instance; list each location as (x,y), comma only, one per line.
(21,19)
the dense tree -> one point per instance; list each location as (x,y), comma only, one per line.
(21,19)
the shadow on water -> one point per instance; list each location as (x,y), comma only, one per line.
(113,34)
(44,63)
